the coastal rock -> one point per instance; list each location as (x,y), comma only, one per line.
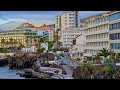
(27,60)
(3,62)
(58,66)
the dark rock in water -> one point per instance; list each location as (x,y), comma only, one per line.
(22,61)
(29,73)
(25,60)
(3,62)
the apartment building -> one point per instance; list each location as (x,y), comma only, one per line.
(114,32)
(68,19)
(69,35)
(13,38)
(96,31)
(45,31)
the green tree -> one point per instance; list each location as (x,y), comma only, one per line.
(11,40)
(56,39)
(20,46)
(50,44)
(4,50)
(3,41)
(40,50)
(89,59)
(105,53)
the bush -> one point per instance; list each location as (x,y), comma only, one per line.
(78,59)
(62,54)
(110,68)
(108,61)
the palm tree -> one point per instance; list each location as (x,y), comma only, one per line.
(4,50)
(56,39)
(3,41)
(11,40)
(50,44)
(42,40)
(105,53)
(20,46)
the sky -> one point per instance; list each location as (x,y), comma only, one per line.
(37,17)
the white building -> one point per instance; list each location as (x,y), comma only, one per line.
(78,48)
(96,31)
(29,49)
(45,31)
(68,19)
(68,35)
(114,32)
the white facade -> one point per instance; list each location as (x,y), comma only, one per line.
(31,49)
(68,19)
(78,49)
(68,35)
(46,33)
(114,32)
(97,36)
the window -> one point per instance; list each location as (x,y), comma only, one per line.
(119,25)
(110,26)
(119,15)
(114,26)
(111,17)
(118,35)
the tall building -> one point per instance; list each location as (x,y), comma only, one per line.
(67,20)
(114,32)
(96,31)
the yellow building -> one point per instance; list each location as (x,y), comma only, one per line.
(13,38)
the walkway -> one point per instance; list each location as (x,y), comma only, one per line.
(68,70)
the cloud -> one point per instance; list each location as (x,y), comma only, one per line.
(85,14)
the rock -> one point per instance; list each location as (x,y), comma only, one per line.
(58,66)
(43,76)
(3,62)
(22,61)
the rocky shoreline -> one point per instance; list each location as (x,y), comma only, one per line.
(36,67)
(105,71)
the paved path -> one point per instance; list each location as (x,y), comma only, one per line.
(68,70)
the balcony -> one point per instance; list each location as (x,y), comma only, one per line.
(87,54)
(114,31)
(97,32)
(116,50)
(98,40)
(95,48)
(90,26)
(114,41)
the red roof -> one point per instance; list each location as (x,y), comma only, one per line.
(43,27)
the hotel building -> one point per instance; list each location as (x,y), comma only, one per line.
(96,31)
(13,38)
(114,32)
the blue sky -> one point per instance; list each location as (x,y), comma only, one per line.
(36,17)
